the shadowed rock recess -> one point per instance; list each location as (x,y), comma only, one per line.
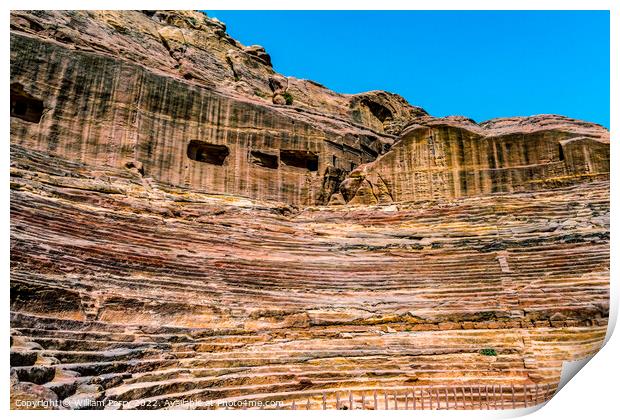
(190,229)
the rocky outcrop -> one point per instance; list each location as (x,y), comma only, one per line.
(455,157)
(165,79)
(383,111)
(190,229)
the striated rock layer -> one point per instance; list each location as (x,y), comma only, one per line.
(455,157)
(110,96)
(172,246)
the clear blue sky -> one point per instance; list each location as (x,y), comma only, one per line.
(481,64)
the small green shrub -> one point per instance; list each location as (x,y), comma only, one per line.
(488,352)
(288,98)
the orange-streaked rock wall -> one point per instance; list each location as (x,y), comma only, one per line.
(447,159)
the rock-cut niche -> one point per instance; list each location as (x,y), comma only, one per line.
(24,105)
(264,159)
(201,151)
(300,159)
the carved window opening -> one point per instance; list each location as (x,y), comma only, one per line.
(561,149)
(200,151)
(264,159)
(334,161)
(24,105)
(300,159)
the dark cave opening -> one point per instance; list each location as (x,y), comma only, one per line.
(381,112)
(24,105)
(300,159)
(264,159)
(214,154)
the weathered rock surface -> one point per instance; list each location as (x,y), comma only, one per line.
(172,242)
(167,78)
(454,157)
(163,294)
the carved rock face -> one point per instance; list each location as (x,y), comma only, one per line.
(443,158)
(186,89)
(186,224)
(182,82)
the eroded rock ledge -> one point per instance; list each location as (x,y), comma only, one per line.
(169,78)
(171,237)
(455,157)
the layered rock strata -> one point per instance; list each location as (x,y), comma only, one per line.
(455,157)
(158,294)
(172,246)
(168,79)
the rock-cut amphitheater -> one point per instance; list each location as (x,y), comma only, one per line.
(190,229)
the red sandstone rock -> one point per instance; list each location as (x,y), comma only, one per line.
(454,157)
(166,78)
(169,239)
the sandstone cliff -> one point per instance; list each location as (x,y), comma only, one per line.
(171,239)
(172,91)
(455,157)
(127,88)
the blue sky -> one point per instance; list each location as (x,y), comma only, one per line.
(481,64)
